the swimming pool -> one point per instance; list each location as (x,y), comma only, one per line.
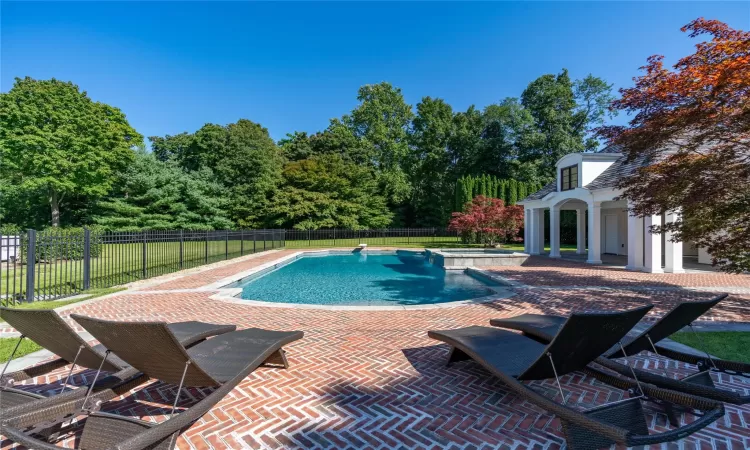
(362,279)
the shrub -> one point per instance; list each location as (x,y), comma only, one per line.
(67,244)
(488,221)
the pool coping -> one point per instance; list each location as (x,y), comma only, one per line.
(230,294)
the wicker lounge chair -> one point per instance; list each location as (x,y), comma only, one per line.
(151,347)
(513,358)
(543,328)
(49,330)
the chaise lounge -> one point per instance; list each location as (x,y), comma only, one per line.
(154,349)
(583,337)
(651,338)
(49,330)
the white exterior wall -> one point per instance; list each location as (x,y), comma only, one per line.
(9,247)
(589,170)
(622,230)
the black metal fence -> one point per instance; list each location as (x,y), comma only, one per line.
(55,264)
(383,237)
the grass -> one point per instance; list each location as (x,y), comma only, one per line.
(90,294)
(8,344)
(734,345)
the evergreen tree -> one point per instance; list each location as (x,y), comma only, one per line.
(512,192)
(159,195)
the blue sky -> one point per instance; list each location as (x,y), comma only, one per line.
(173,66)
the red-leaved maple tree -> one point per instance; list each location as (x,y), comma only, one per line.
(488,220)
(690,134)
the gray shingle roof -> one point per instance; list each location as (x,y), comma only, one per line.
(538,195)
(619,169)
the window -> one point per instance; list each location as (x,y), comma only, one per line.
(569,178)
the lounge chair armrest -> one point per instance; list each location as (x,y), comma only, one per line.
(707,419)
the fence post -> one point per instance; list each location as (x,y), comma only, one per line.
(226,245)
(86,259)
(144,255)
(182,250)
(205,260)
(255,235)
(242,242)
(30,264)
(273,239)
(265,236)
(334,237)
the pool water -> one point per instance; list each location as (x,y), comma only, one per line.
(362,279)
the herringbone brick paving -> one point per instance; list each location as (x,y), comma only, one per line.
(372,379)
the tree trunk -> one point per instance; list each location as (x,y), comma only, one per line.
(55,206)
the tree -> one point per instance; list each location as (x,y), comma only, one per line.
(488,221)
(432,129)
(242,157)
(326,191)
(55,141)
(159,195)
(382,119)
(171,147)
(690,135)
(508,129)
(563,112)
(296,146)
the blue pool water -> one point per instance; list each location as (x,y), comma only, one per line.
(362,279)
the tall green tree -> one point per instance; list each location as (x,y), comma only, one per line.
(326,191)
(432,129)
(56,142)
(243,158)
(383,118)
(508,129)
(564,111)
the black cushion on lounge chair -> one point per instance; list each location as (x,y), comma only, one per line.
(223,357)
(152,348)
(507,351)
(545,327)
(49,330)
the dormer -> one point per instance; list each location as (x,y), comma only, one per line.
(576,170)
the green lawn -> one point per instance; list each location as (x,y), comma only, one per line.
(734,345)
(8,344)
(53,304)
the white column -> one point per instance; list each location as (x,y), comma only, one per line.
(635,243)
(595,233)
(652,247)
(539,220)
(527,231)
(672,250)
(554,231)
(581,232)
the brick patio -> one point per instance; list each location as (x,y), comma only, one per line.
(372,379)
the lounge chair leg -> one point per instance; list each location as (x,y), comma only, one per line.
(669,410)
(12,354)
(278,358)
(456,355)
